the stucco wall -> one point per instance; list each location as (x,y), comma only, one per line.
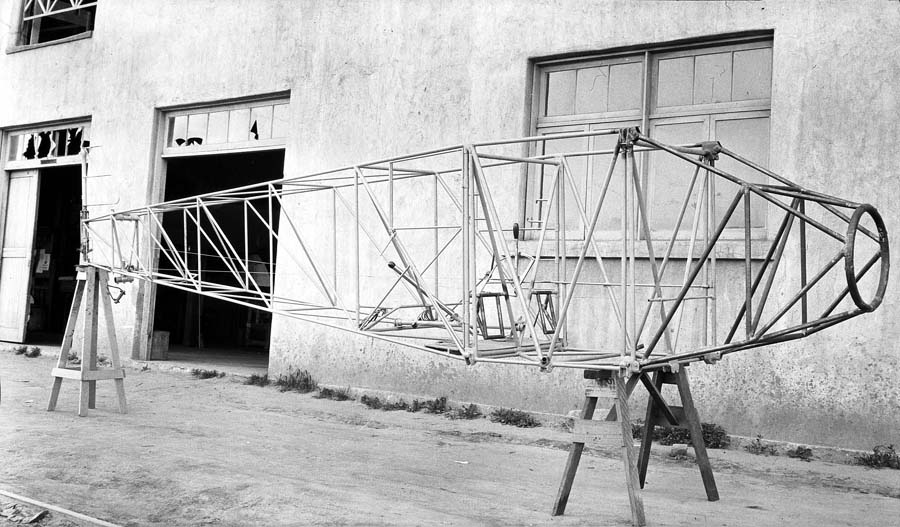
(372,79)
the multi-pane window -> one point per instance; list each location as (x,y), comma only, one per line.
(232,127)
(54,145)
(49,20)
(685,95)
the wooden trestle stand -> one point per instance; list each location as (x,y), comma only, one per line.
(615,430)
(91,291)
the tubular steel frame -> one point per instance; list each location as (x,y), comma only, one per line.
(485,294)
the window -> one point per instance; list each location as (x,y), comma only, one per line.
(234,127)
(677,95)
(56,145)
(50,20)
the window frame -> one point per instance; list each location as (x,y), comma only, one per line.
(650,56)
(13,164)
(19,21)
(206,148)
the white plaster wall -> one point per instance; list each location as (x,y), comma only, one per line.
(373,79)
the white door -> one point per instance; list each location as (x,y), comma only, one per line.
(16,240)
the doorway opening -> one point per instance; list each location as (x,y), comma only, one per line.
(202,329)
(55,254)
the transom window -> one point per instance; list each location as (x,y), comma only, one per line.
(57,145)
(232,127)
(677,95)
(49,20)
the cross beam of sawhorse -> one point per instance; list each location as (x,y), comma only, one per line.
(91,291)
(612,385)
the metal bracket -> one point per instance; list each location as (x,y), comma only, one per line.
(711,150)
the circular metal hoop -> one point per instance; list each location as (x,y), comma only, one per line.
(883,252)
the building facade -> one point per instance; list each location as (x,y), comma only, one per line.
(179,98)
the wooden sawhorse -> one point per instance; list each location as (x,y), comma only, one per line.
(613,386)
(90,290)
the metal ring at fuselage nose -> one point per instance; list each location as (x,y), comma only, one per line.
(884,255)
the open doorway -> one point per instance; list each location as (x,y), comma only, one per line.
(55,254)
(207,329)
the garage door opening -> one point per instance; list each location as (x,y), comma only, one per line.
(55,254)
(206,329)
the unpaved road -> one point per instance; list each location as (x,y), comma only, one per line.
(216,452)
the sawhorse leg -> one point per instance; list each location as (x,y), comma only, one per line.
(91,293)
(63,359)
(562,497)
(619,412)
(687,417)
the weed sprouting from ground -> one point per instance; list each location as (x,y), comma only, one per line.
(434,406)
(206,374)
(759,448)
(340,394)
(801,452)
(395,406)
(73,358)
(29,351)
(882,456)
(372,402)
(508,416)
(257,380)
(377,404)
(298,381)
(714,436)
(470,411)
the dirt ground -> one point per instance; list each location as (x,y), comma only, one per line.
(217,452)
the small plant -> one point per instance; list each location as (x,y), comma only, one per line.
(73,358)
(394,407)
(801,452)
(433,406)
(372,402)
(436,406)
(257,380)
(759,448)
(20,350)
(32,352)
(377,404)
(714,436)
(341,394)
(882,456)
(509,416)
(206,374)
(470,411)
(298,381)
(102,360)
